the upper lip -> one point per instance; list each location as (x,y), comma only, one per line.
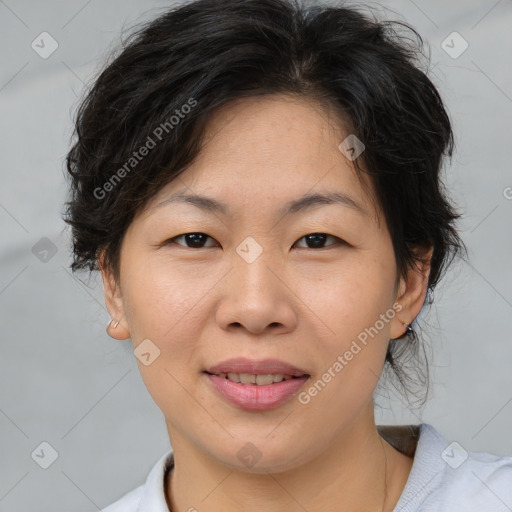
(253,367)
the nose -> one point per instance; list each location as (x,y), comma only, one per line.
(257,297)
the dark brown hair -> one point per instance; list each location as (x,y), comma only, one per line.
(175,72)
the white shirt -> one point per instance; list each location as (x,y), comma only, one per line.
(443,478)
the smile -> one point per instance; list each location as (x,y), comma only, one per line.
(255,392)
(258,380)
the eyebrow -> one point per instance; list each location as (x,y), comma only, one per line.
(306,202)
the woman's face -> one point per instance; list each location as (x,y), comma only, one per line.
(252,285)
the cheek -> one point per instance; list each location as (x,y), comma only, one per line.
(351,297)
(352,351)
(163,300)
(166,306)
(352,347)
(169,304)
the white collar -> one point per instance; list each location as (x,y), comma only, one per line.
(153,493)
(408,438)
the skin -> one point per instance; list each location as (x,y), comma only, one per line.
(297,303)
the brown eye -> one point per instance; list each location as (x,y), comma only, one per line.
(317,240)
(193,240)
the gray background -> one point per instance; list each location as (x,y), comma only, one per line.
(64,381)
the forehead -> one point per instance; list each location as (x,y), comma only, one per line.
(273,130)
(271,148)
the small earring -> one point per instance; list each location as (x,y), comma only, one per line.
(408,329)
(407,332)
(115,325)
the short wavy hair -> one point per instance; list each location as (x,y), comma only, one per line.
(173,73)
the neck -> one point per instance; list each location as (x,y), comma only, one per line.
(359,472)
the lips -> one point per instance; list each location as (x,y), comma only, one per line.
(251,379)
(251,367)
(256,385)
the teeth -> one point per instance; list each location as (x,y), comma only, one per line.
(246,378)
(259,380)
(265,380)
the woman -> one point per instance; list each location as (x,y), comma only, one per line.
(258,182)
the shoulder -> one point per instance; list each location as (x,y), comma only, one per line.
(480,481)
(128,503)
(446,477)
(151,495)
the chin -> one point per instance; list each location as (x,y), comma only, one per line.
(261,455)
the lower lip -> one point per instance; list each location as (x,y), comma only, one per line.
(256,398)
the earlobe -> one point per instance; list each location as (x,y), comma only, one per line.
(408,330)
(117,331)
(411,295)
(114,302)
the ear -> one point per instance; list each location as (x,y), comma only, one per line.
(411,294)
(114,303)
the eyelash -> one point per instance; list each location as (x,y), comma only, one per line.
(172,240)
